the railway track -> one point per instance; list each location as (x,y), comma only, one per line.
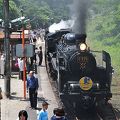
(102,112)
(107,112)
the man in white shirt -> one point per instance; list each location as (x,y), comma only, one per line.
(21,68)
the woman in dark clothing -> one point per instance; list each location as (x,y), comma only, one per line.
(40,55)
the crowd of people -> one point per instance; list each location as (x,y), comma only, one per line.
(58,113)
(30,64)
(32,88)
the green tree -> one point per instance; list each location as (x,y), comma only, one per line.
(14,11)
(44,12)
(104,28)
(1,9)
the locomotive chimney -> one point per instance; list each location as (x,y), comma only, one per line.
(80,9)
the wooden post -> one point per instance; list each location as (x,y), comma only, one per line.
(24,61)
(7,48)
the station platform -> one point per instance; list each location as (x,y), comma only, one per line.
(11,107)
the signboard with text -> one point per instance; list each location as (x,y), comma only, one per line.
(28,51)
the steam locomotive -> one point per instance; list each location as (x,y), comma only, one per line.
(81,80)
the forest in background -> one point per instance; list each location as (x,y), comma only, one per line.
(42,13)
(104,30)
(103,22)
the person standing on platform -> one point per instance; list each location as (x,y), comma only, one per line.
(2,63)
(21,67)
(40,55)
(32,86)
(43,114)
(18,61)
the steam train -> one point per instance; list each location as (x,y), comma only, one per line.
(81,80)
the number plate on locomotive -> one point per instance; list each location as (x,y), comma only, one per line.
(82,61)
(85,83)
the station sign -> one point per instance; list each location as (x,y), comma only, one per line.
(27,52)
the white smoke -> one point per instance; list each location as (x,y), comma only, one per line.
(62,25)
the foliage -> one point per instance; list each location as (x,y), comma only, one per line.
(104,29)
(42,13)
(1,9)
(14,12)
(103,24)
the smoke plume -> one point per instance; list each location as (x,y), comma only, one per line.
(80,10)
(61,25)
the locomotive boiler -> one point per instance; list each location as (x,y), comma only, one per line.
(81,80)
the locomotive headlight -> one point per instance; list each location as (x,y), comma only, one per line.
(83,46)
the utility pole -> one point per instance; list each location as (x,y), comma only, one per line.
(24,58)
(6,48)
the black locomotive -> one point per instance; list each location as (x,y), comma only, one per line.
(80,80)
